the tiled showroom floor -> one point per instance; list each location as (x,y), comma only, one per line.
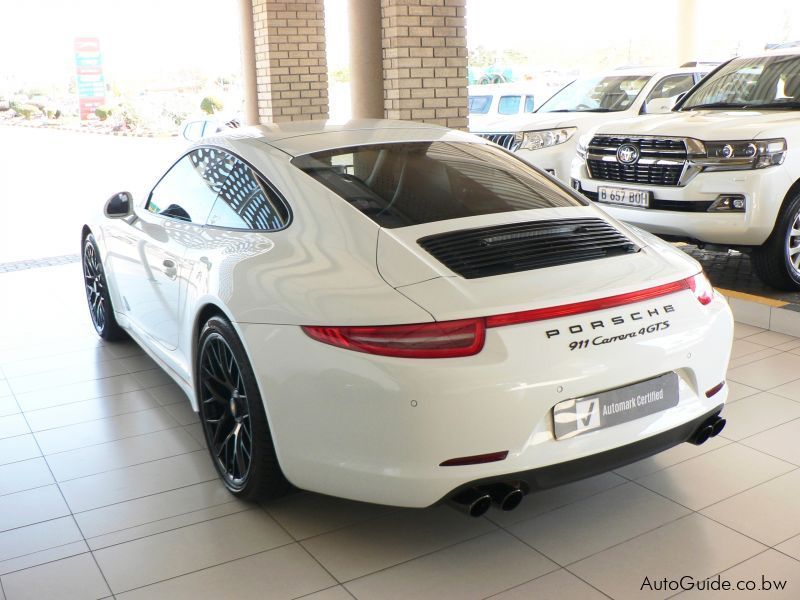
(105,487)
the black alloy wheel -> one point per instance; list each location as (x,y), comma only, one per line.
(233,417)
(97,296)
(226,414)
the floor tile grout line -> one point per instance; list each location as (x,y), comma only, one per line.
(72,514)
(560,506)
(723,570)
(44,550)
(168,529)
(408,560)
(146,462)
(119,439)
(330,587)
(225,562)
(98,419)
(180,487)
(697,510)
(296,541)
(559,566)
(342,527)
(100,397)
(770,428)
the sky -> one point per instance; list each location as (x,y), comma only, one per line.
(155,39)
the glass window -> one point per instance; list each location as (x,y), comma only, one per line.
(188,190)
(247,202)
(672,86)
(508,105)
(529,104)
(762,82)
(402,184)
(479,105)
(597,94)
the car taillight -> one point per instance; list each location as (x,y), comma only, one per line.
(447,339)
(702,288)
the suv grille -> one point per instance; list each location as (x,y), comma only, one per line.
(661,161)
(506,140)
(514,247)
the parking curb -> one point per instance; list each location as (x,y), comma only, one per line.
(767,313)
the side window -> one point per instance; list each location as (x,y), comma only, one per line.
(671,86)
(479,105)
(509,105)
(247,202)
(529,104)
(188,190)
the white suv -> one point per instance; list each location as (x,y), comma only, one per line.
(718,170)
(548,137)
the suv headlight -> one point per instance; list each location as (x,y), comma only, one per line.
(583,145)
(738,155)
(535,140)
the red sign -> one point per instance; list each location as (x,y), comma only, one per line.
(90,82)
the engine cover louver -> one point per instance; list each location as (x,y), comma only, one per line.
(514,247)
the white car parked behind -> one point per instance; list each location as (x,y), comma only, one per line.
(548,137)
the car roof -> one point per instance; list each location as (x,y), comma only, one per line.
(496,88)
(651,71)
(305,137)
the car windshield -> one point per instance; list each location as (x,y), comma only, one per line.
(744,83)
(597,94)
(409,183)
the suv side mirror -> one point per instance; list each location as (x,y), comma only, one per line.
(119,206)
(659,106)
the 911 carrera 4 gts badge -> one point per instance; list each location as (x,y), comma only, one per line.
(600,332)
(573,417)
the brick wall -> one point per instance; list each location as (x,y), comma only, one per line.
(291,68)
(425,61)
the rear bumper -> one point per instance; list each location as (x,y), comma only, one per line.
(376,429)
(535,480)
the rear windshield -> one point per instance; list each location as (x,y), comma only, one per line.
(410,183)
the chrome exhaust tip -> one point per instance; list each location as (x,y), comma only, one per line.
(505,495)
(471,501)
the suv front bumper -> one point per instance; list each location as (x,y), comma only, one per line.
(763,190)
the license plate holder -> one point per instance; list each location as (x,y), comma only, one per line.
(623,196)
(621,405)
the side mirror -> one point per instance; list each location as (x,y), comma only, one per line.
(119,206)
(659,106)
(195,130)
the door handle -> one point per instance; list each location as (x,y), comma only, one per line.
(169,269)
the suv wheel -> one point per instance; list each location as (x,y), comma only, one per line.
(777,262)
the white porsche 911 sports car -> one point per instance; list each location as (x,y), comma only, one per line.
(404,314)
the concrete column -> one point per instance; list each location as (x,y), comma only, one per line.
(425,61)
(366,62)
(248,63)
(291,68)
(687,31)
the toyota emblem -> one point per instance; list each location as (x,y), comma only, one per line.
(627,154)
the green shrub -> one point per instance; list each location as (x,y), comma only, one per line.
(103,112)
(210,105)
(28,111)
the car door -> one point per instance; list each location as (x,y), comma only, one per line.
(149,258)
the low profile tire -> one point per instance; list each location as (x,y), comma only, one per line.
(97,296)
(233,417)
(777,262)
